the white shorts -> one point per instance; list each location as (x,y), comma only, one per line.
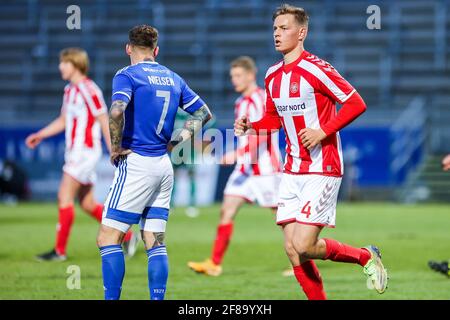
(140,193)
(262,189)
(308,199)
(80,164)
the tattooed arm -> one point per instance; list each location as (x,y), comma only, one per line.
(116,122)
(192,125)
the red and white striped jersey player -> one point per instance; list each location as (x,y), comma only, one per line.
(302,91)
(83,117)
(82,104)
(257,172)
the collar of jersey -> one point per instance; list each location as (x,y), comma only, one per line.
(153,62)
(288,67)
(251,93)
(82,81)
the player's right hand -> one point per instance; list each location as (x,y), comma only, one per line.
(33,140)
(117,155)
(174,142)
(241,126)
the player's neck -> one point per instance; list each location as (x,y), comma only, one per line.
(247,92)
(77,78)
(293,55)
(142,58)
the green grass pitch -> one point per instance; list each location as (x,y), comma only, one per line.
(408,237)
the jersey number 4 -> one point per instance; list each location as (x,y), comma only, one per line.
(307,209)
(166,95)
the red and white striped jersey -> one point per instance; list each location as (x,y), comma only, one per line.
(256,155)
(82,103)
(303,94)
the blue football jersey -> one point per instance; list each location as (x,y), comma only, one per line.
(153,93)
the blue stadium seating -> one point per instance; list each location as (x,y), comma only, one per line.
(409,56)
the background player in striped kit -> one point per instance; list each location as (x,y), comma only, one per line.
(84,119)
(302,91)
(257,172)
(145,100)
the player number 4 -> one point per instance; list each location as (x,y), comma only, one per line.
(166,95)
(307,209)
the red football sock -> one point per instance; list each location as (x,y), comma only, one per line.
(98,212)
(66,216)
(224,232)
(309,278)
(128,236)
(341,252)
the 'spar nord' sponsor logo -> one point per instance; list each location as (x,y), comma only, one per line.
(291,108)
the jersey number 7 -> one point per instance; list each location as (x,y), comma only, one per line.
(166,95)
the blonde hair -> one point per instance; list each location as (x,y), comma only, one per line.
(78,57)
(299,14)
(245,62)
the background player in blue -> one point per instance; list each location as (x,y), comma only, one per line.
(145,100)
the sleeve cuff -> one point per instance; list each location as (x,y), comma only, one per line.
(347,97)
(327,130)
(120,95)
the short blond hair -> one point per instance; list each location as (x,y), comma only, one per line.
(78,57)
(245,62)
(299,14)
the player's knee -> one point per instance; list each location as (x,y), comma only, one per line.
(303,249)
(153,239)
(290,250)
(87,206)
(107,237)
(101,239)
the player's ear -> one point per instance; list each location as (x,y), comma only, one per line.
(155,52)
(302,33)
(128,49)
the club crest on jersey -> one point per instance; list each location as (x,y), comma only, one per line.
(294,87)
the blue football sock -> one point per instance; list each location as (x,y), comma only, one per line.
(113,269)
(158,271)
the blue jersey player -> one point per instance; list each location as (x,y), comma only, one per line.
(145,100)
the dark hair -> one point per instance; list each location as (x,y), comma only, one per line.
(143,36)
(299,13)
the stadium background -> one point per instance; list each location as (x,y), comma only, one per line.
(392,152)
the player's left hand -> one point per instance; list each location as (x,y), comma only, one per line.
(311,137)
(115,155)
